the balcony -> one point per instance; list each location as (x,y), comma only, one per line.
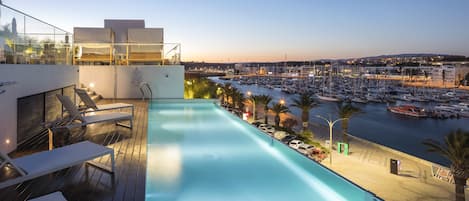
(126,53)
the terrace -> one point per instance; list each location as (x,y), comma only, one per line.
(39,60)
(78,184)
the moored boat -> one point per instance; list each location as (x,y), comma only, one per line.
(373,98)
(462,106)
(405,97)
(359,100)
(328,98)
(408,110)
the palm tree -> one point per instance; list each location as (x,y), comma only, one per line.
(237,98)
(199,88)
(346,111)
(456,149)
(227,92)
(305,103)
(219,92)
(279,109)
(289,123)
(254,99)
(265,100)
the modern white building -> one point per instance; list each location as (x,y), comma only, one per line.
(121,42)
(113,60)
(444,75)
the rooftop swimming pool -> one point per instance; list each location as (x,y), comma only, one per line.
(198,151)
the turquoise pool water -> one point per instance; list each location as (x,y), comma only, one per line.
(198,151)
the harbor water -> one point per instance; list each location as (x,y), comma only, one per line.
(376,124)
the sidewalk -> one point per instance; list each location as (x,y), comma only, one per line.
(368,166)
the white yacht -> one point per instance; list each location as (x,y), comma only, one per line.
(328,98)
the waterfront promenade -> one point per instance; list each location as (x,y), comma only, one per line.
(368,166)
(438,86)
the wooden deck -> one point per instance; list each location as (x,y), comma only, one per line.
(77,183)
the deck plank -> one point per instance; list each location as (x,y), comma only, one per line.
(130,154)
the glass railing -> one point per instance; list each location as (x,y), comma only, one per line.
(126,53)
(28,40)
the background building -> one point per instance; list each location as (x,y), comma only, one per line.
(121,42)
(444,75)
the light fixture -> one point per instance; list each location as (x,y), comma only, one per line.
(91,84)
(7,141)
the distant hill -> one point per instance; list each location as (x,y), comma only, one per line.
(425,56)
(410,55)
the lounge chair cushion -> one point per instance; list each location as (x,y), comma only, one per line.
(117,116)
(86,98)
(113,106)
(91,104)
(70,107)
(59,158)
(46,162)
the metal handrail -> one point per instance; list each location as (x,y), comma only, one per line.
(147,86)
(26,37)
(27,15)
(124,44)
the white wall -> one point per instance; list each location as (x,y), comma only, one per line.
(165,81)
(120,27)
(30,79)
(101,76)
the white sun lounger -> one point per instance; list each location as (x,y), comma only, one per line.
(91,105)
(56,196)
(92,119)
(46,162)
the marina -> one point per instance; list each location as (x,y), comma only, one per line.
(375,123)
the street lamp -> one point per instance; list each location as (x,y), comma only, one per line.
(282,101)
(331,124)
(253,106)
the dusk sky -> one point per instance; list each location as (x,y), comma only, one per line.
(269,30)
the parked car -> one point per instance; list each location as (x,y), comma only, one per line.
(306,149)
(266,128)
(288,138)
(263,125)
(280,134)
(317,150)
(295,144)
(256,124)
(270,130)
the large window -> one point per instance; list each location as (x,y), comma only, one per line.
(36,109)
